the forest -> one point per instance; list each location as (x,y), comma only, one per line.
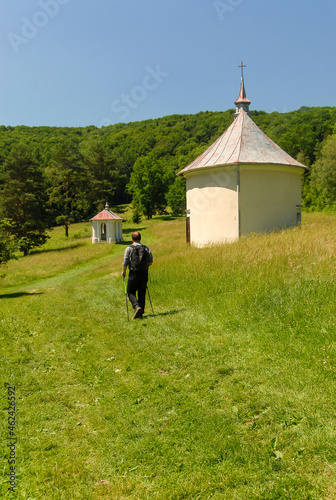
(57,175)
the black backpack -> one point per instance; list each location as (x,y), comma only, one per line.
(139,258)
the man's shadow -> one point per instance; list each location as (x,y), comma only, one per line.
(165,313)
(18,294)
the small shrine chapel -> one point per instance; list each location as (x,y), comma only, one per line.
(243,183)
(106,227)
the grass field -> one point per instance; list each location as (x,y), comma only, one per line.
(228,392)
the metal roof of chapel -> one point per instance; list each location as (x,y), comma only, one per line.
(242,143)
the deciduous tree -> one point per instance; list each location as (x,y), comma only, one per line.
(176,196)
(148,184)
(7,245)
(324,170)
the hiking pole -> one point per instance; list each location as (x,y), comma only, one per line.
(126,298)
(150,301)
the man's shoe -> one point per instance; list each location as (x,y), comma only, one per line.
(138,312)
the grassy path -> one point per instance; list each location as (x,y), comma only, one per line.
(227,393)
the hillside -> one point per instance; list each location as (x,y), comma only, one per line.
(226,393)
(98,163)
(177,135)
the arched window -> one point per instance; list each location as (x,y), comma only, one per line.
(103,231)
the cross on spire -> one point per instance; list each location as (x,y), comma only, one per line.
(242,103)
(242,66)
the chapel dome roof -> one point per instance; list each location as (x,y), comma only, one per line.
(244,143)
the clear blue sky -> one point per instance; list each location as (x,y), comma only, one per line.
(96,62)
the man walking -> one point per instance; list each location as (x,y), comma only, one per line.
(138,258)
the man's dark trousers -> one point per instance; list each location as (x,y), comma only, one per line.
(137,282)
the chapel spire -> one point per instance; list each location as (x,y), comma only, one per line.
(242,102)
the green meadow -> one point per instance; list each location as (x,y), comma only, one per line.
(228,392)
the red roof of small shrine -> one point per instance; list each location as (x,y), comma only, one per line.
(106,214)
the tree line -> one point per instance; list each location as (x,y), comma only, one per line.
(57,176)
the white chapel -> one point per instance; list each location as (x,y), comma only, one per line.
(243,183)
